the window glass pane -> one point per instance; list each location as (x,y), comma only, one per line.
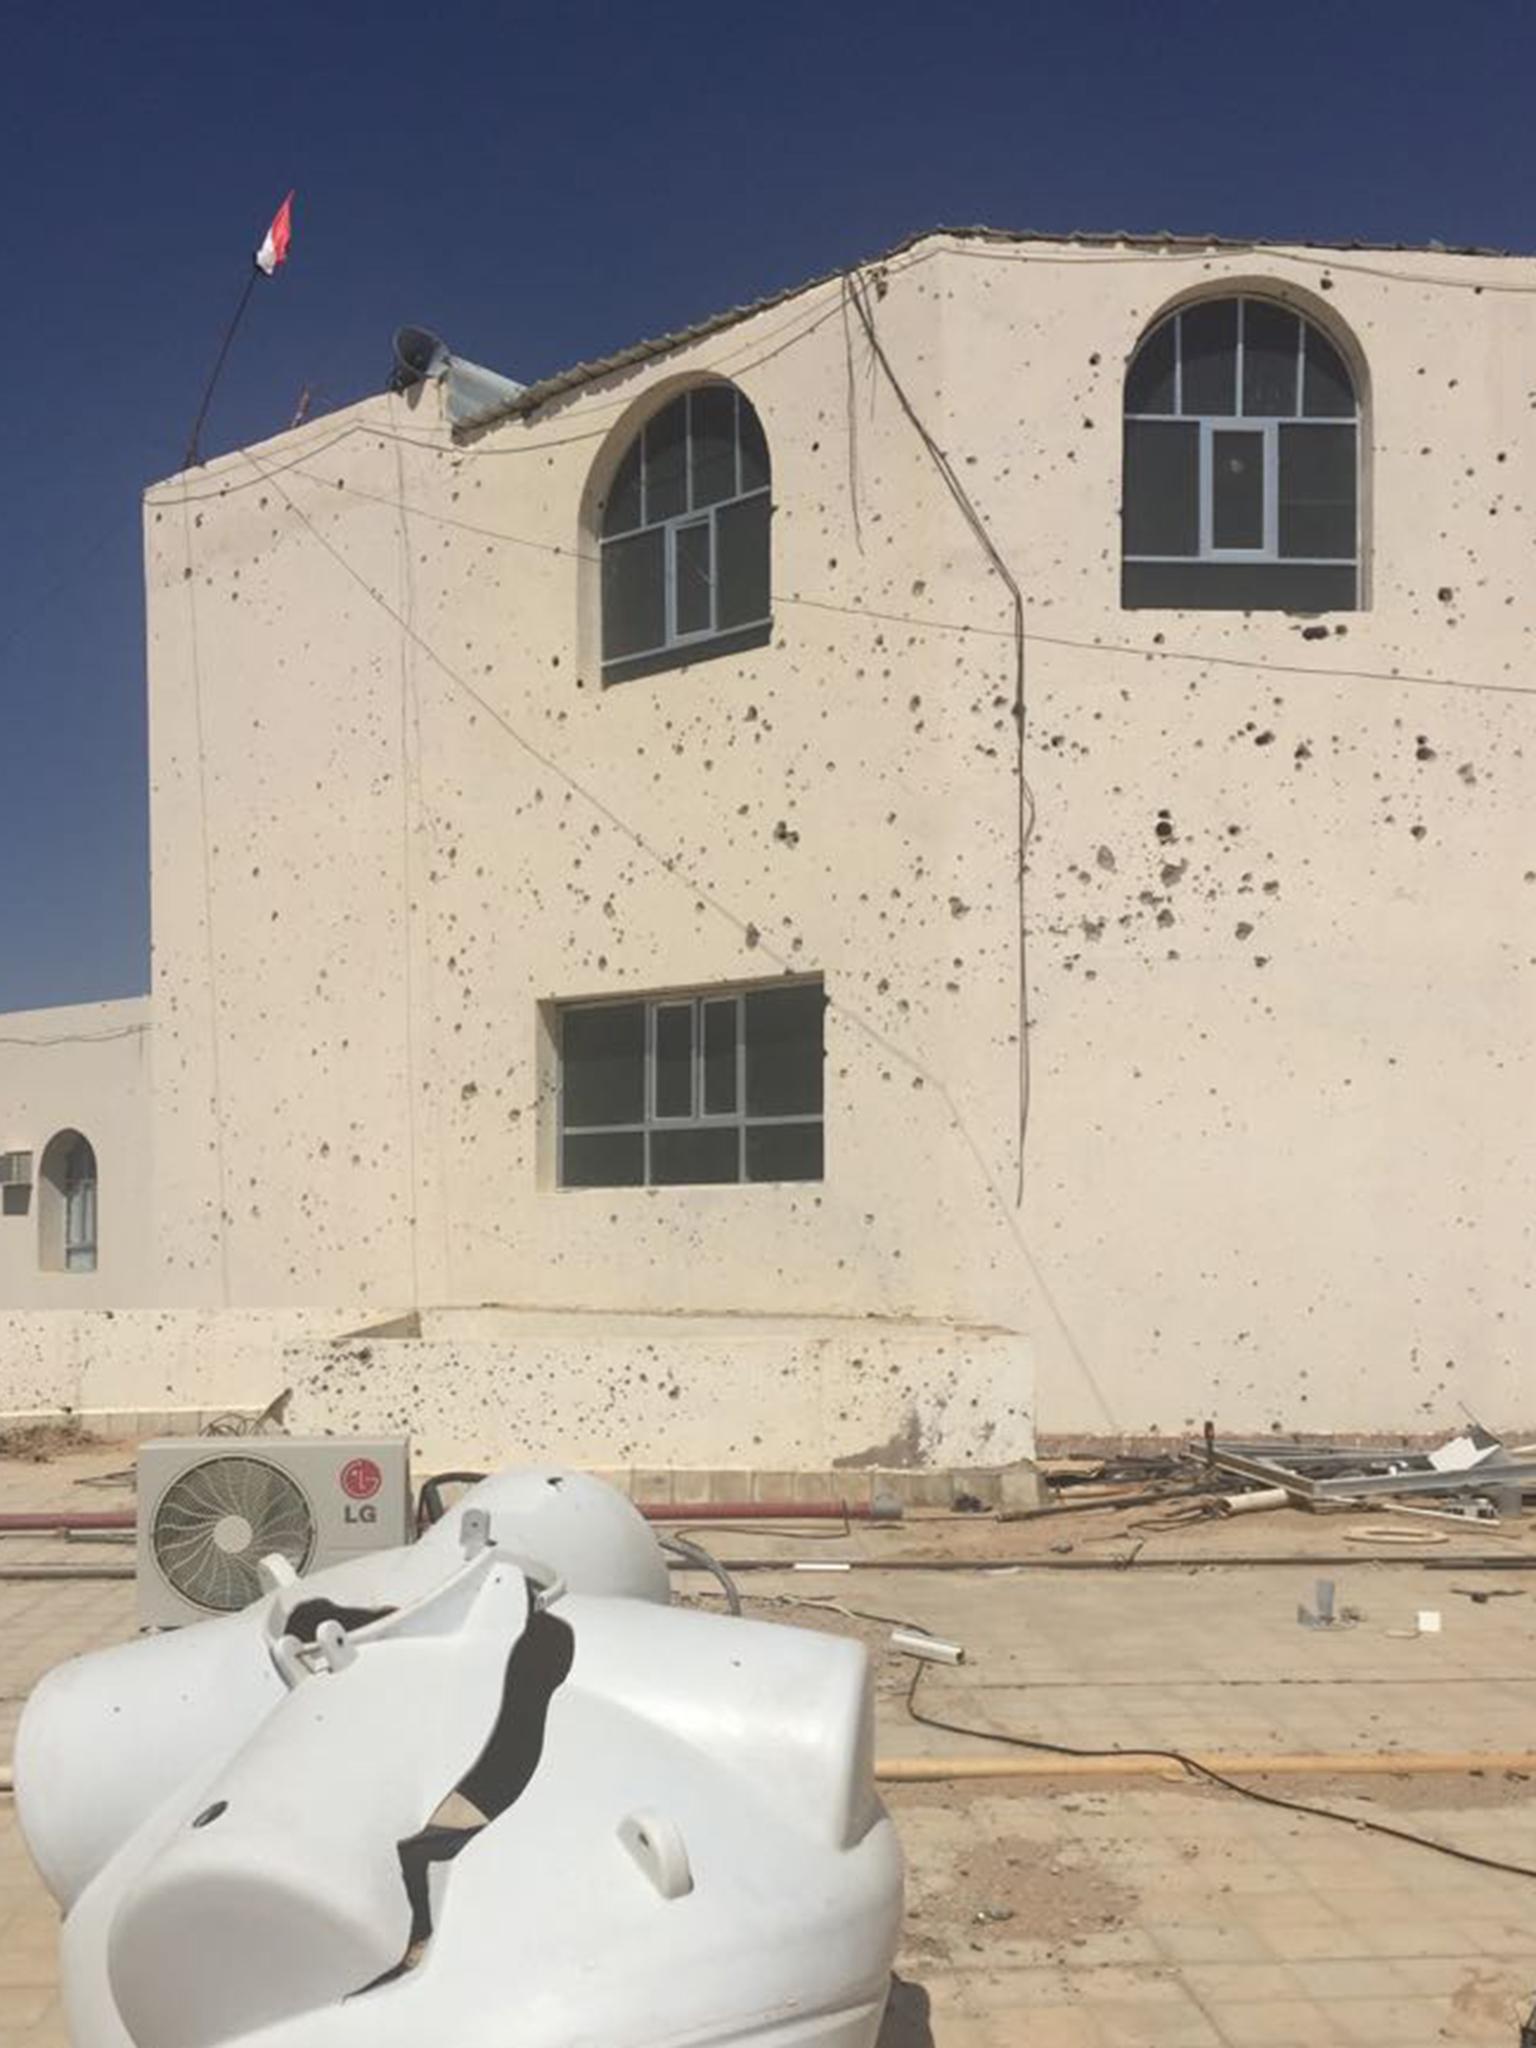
(1210,358)
(611,1159)
(622,511)
(678,1157)
(1237,490)
(602,1065)
(1161,487)
(691,553)
(754,450)
(634,594)
(666,463)
(784,1152)
(674,1059)
(1149,381)
(1317,491)
(1238,587)
(720,1058)
(741,567)
(1271,360)
(1327,392)
(784,1040)
(714,445)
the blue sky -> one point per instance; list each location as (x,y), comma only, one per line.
(546,183)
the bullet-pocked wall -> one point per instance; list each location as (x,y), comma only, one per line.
(1277,907)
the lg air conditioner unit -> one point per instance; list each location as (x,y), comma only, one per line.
(209,1511)
(15,1169)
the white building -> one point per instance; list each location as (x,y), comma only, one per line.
(618,948)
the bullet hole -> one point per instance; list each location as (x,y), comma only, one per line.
(1244,930)
(1314,632)
(1105,859)
(1095,359)
(914,703)
(958,907)
(469,1091)
(1264,739)
(750,713)
(1165,918)
(918,587)
(212,1813)
(1172,871)
(1418,831)
(1164,826)
(753,935)
(784,835)
(1445,593)
(1422,750)
(1303,752)
(1261,959)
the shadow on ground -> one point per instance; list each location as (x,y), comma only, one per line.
(907,2017)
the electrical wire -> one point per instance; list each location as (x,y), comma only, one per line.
(1312,259)
(703,893)
(1213,1777)
(210,949)
(81,1037)
(1026,806)
(704,1561)
(1249,664)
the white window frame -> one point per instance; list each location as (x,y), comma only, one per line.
(675,639)
(697,1118)
(1268,427)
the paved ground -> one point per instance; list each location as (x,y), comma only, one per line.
(1133,1912)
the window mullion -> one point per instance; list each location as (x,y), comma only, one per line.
(1207,521)
(741,1087)
(1239,401)
(1178,365)
(1272,489)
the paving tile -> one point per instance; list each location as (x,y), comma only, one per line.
(1276,2023)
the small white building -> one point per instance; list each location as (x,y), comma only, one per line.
(946,854)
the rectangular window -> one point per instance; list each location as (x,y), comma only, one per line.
(634,594)
(683,1090)
(1237,488)
(1317,492)
(1162,487)
(693,579)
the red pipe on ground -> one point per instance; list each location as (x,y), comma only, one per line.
(56,1522)
(771,1511)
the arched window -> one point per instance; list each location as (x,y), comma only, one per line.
(67,1211)
(1242,463)
(685,537)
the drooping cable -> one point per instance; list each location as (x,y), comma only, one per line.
(1025,823)
(1211,1776)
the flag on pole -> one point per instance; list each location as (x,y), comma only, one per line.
(274,248)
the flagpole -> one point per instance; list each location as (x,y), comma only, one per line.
(193,454)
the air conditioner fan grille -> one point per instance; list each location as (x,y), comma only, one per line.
(218,1519)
